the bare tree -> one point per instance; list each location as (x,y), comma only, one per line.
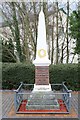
(14,28)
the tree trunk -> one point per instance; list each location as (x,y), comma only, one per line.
(52,42)
(16,32)
(35,28)
(62,52)
(67,59)
(26,33)
(57,47)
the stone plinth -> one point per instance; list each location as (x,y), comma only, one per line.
(42,75)
(42,101)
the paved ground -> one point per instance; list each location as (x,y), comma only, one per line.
(8,108)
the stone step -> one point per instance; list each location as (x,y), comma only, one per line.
(39,96)
(42,107)
(42,100)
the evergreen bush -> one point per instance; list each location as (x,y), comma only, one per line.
(14,73)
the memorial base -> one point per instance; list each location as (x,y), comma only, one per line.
(42,100)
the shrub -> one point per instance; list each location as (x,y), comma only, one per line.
(14,73)
(69,73)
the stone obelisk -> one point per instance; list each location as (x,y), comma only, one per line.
(41,62)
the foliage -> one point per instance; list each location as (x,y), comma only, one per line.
(69,73)
(8,52)
(14,73)
(75,28)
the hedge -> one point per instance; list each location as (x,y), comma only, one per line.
(69,73)
(14,73)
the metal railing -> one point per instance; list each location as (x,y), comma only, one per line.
(18,97)
(67,97)
(60,91)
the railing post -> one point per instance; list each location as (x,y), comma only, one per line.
(68,96)
(70,100)
(15,102)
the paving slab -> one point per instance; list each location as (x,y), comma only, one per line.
(8,109)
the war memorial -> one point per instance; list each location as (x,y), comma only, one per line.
(44,97)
